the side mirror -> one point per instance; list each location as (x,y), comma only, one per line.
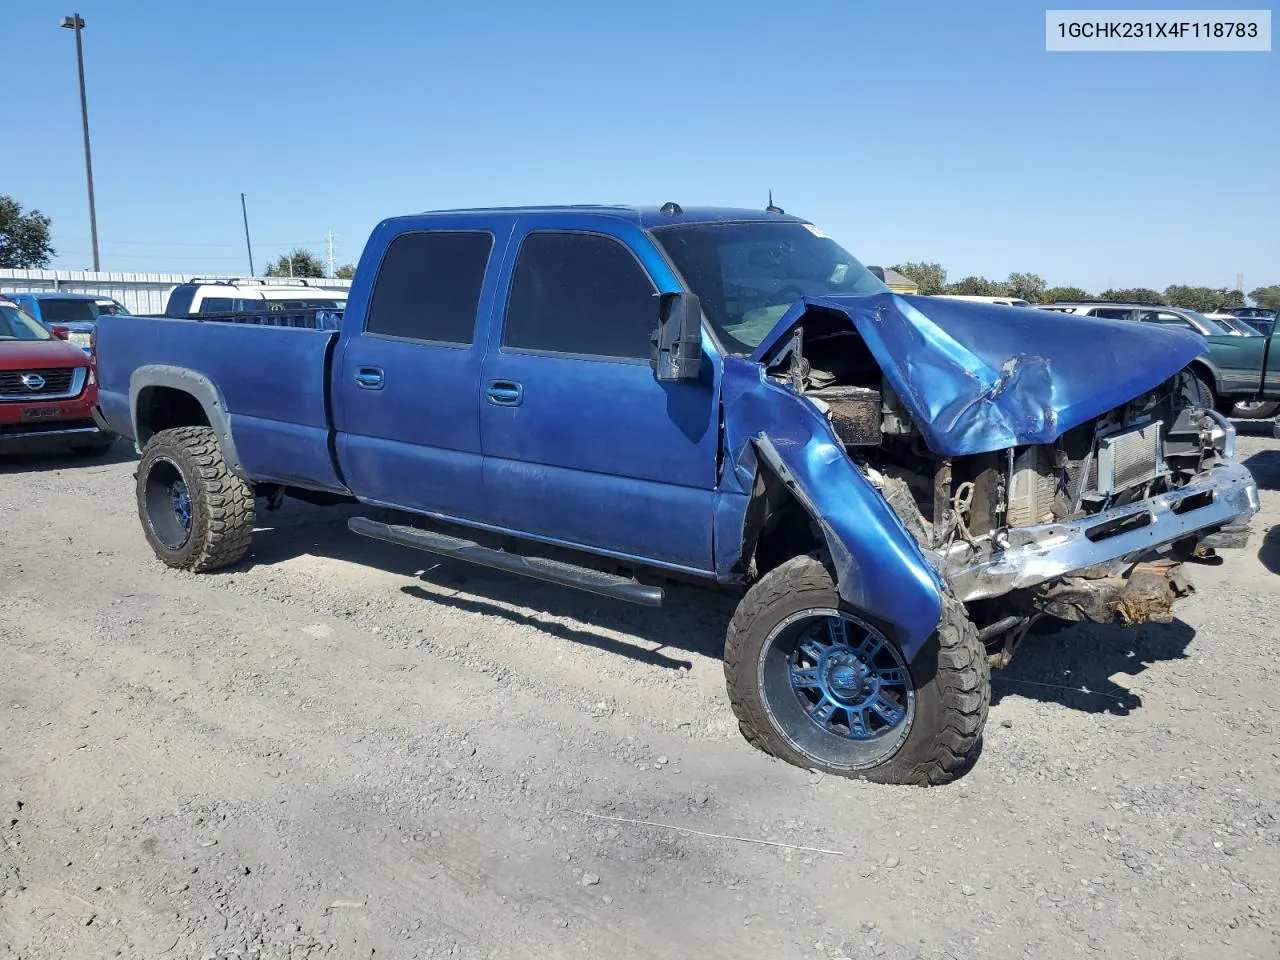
(59,331)
(677,342)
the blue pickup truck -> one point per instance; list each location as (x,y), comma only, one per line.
(617,398)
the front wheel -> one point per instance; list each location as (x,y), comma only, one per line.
(196,514)
(816,685)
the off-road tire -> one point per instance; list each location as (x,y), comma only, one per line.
(221,503)
(950,675)
(1201,392)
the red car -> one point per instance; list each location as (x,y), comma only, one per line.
(47,390)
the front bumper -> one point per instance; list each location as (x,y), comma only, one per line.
(74,433)
(1026,556)
(71,424)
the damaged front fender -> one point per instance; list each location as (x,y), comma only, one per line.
(880,568)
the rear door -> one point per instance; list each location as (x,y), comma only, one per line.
(582,445)
(406,388)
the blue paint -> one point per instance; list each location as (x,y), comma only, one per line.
(598,455)
(272,380)
(978,377)
(855,687)
(880,567)
(180,497)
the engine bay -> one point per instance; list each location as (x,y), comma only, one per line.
(969,513)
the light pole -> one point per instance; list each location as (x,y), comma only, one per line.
(76,22)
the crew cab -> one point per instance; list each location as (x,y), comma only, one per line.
(614,398)
(48,394)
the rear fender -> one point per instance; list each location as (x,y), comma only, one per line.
(195,385)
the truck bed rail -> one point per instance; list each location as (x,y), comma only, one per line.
(324,319)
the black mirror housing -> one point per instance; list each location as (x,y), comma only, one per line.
(677,341)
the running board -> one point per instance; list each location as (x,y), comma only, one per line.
(538,568)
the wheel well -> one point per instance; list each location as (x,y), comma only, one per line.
(1202,371)
(163,408)
(777,526)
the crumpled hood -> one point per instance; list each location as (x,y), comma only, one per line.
(978,377)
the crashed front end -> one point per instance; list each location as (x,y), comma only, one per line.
(1095,526)
(1043,466)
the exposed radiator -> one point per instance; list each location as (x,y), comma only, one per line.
(855,413)
(1129,458)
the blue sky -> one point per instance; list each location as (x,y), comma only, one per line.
(909,131)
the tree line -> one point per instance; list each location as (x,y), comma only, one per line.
(931,278)
(300,262)
(25,242)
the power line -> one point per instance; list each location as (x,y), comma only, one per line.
(167,243)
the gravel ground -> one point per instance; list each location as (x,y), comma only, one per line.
(343,749)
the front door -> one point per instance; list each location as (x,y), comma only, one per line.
(582,445)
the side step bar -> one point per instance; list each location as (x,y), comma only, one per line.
(539,568)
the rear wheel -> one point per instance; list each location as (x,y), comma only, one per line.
(816,685)
(196,514)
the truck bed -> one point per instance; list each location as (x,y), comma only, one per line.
(270,379)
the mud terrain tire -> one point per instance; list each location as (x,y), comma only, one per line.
(196,514)
(949,680)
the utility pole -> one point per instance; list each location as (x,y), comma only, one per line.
(76,22)
(330,238)
(248,246)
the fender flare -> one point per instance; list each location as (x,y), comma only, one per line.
(200,388)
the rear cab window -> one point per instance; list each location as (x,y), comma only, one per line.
(579,294)
(428,287)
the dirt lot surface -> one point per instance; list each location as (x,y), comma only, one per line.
(343,749)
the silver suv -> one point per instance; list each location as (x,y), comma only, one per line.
(1146,313)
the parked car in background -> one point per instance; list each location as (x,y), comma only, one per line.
(77,312)
(1262,319)
(1241,328)
(284,295)
(1002,301)
(1232,372)
(48,391)
(612,398)
(1144,312)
